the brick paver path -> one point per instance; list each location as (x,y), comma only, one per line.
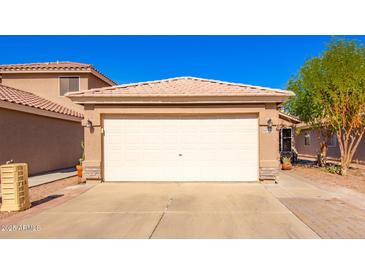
(326,212)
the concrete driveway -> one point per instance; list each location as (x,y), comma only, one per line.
(168,210)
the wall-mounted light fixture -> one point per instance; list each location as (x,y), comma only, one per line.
(89,124)
(269,125)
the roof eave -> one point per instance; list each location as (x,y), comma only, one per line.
(37,111)
(289,118)
(112,99)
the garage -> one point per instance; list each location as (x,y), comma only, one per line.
(183,129)
(181,148)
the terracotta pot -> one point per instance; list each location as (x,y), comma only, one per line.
(79,170)
(286,166)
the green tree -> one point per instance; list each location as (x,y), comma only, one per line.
(330,94)
(307,106)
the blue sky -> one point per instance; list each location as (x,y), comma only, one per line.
(257,60)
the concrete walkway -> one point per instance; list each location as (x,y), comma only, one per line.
(51,177)
(168,210)
(331,211)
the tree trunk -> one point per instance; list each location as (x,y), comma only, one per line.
(348,143)
(344,170)
(323,138)
(322,155)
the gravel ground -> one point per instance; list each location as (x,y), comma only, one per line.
(354,180)
(39,194)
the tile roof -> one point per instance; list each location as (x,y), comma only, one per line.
(45,66)
(181,87)
(64,66)
(17,96)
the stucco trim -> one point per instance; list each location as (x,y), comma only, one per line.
(36,111)
(94,113)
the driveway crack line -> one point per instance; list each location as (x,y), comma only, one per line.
(161,217)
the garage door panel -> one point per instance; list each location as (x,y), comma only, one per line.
(224,149)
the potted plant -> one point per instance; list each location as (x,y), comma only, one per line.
(79,166)
(286,163)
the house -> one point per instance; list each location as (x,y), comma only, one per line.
(181,129)
(39,132)
(53,79)
(298,138)
(308,140)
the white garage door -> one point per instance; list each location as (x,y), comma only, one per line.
(181,149)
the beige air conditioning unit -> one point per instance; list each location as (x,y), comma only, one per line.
(14,187)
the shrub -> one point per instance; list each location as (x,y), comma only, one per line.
(334,169)
(286,160)
(81,160)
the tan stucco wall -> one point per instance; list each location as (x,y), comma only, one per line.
(333,152)
(46,85)
(268,141)
(95,82)
(44,143)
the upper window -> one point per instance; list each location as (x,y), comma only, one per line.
(332,141)
(69,84)
(307,139)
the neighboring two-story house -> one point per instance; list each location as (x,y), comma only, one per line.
(53,79)
(38,124)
